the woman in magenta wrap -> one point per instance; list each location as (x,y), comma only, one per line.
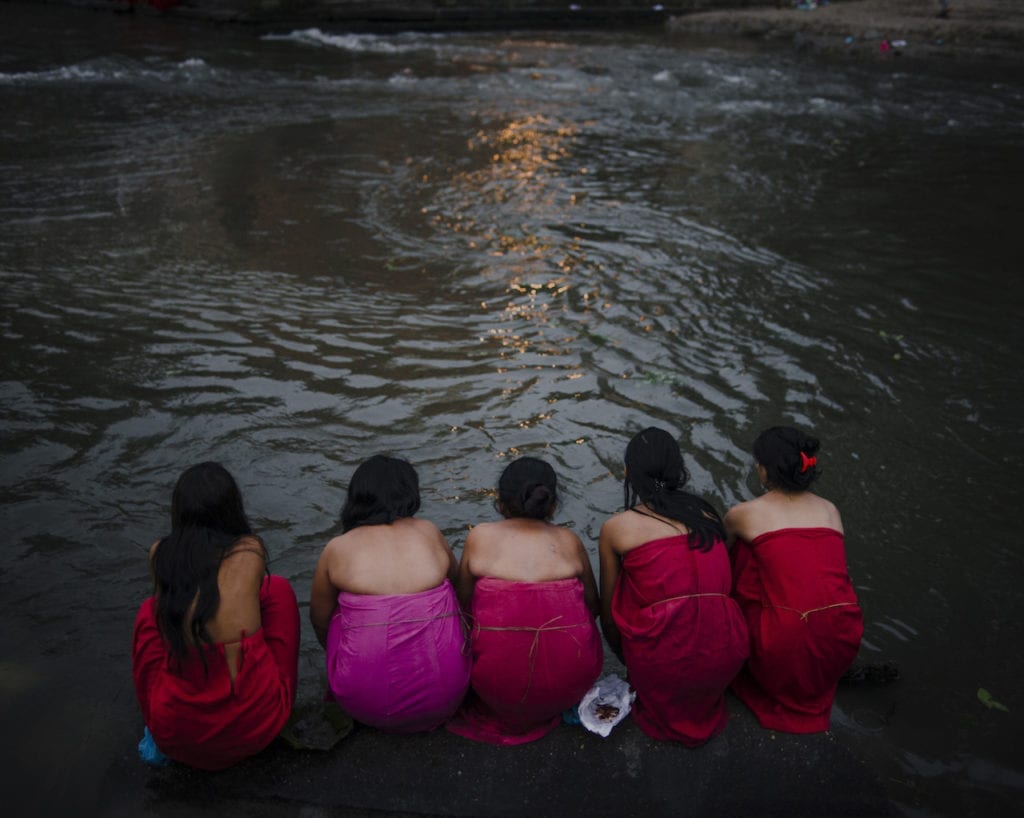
(215,649)
(384,607)
(665,604)
(791,580)
(532,599)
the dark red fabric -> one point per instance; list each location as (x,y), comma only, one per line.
(683,637)
(536,651)
(804,622)
(205,720)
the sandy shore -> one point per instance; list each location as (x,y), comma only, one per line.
(990,31)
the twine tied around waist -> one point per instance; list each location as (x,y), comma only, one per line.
(448,615)
(686,596)
(462,618)
(537,631)
(804,614)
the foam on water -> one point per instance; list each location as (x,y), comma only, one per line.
(358,43)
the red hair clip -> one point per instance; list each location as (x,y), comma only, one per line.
(806,462)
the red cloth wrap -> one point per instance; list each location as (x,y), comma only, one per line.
(536,651)
(205,720)
(683,637)
(804,621)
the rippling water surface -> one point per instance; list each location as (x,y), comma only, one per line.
(288,252)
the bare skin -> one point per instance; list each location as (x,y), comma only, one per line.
(525,550)
(239,578)
(620,534)
(776,509)
(404,557)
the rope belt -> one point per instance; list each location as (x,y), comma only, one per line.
(804,614)
(537,631)
(398,621)
(686,596)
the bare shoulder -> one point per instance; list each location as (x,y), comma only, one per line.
(476,549)
(615,525)
(247,554)
(568,538)
(482,535)
(832,513)
(340,545)
(743,509)
(427,529)
(739,519)
(732,516)
(827,504)
(251,545)
(575,549)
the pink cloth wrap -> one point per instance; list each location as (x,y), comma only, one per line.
(398,662)
(683,637)
(804,621)
(536,651)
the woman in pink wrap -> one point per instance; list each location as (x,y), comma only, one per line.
(384,607)
(530,591)
(790,578)
(665,605)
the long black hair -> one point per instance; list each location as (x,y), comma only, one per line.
(528,488)
(655,476)
(789,457)
(207,518)
(383,489)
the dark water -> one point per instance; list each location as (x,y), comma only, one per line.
(290,252)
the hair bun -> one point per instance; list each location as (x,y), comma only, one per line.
(536,499)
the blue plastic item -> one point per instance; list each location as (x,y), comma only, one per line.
(150,753)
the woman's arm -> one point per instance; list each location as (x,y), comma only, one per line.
(610,565)
(453,563)
(466,580)
(152,556)
(590,595)
(323,598)
(734,522)
(453,566)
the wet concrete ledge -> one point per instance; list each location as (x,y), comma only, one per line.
(744,771)
(73,752)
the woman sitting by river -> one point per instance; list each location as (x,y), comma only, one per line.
(665,605)
(530,590)
(215,649)
(791,580)
(384,607)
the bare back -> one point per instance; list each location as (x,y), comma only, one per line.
(404,557)
(524,550)
(776,510)
(632,528)
(239,578)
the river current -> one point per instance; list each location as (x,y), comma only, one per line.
(290,251)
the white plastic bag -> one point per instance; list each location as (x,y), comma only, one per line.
(606,704)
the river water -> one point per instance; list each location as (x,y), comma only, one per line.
(290,251)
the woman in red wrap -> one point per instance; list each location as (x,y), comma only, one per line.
(530,592)
(215,649)
(790,578)
(665,604)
